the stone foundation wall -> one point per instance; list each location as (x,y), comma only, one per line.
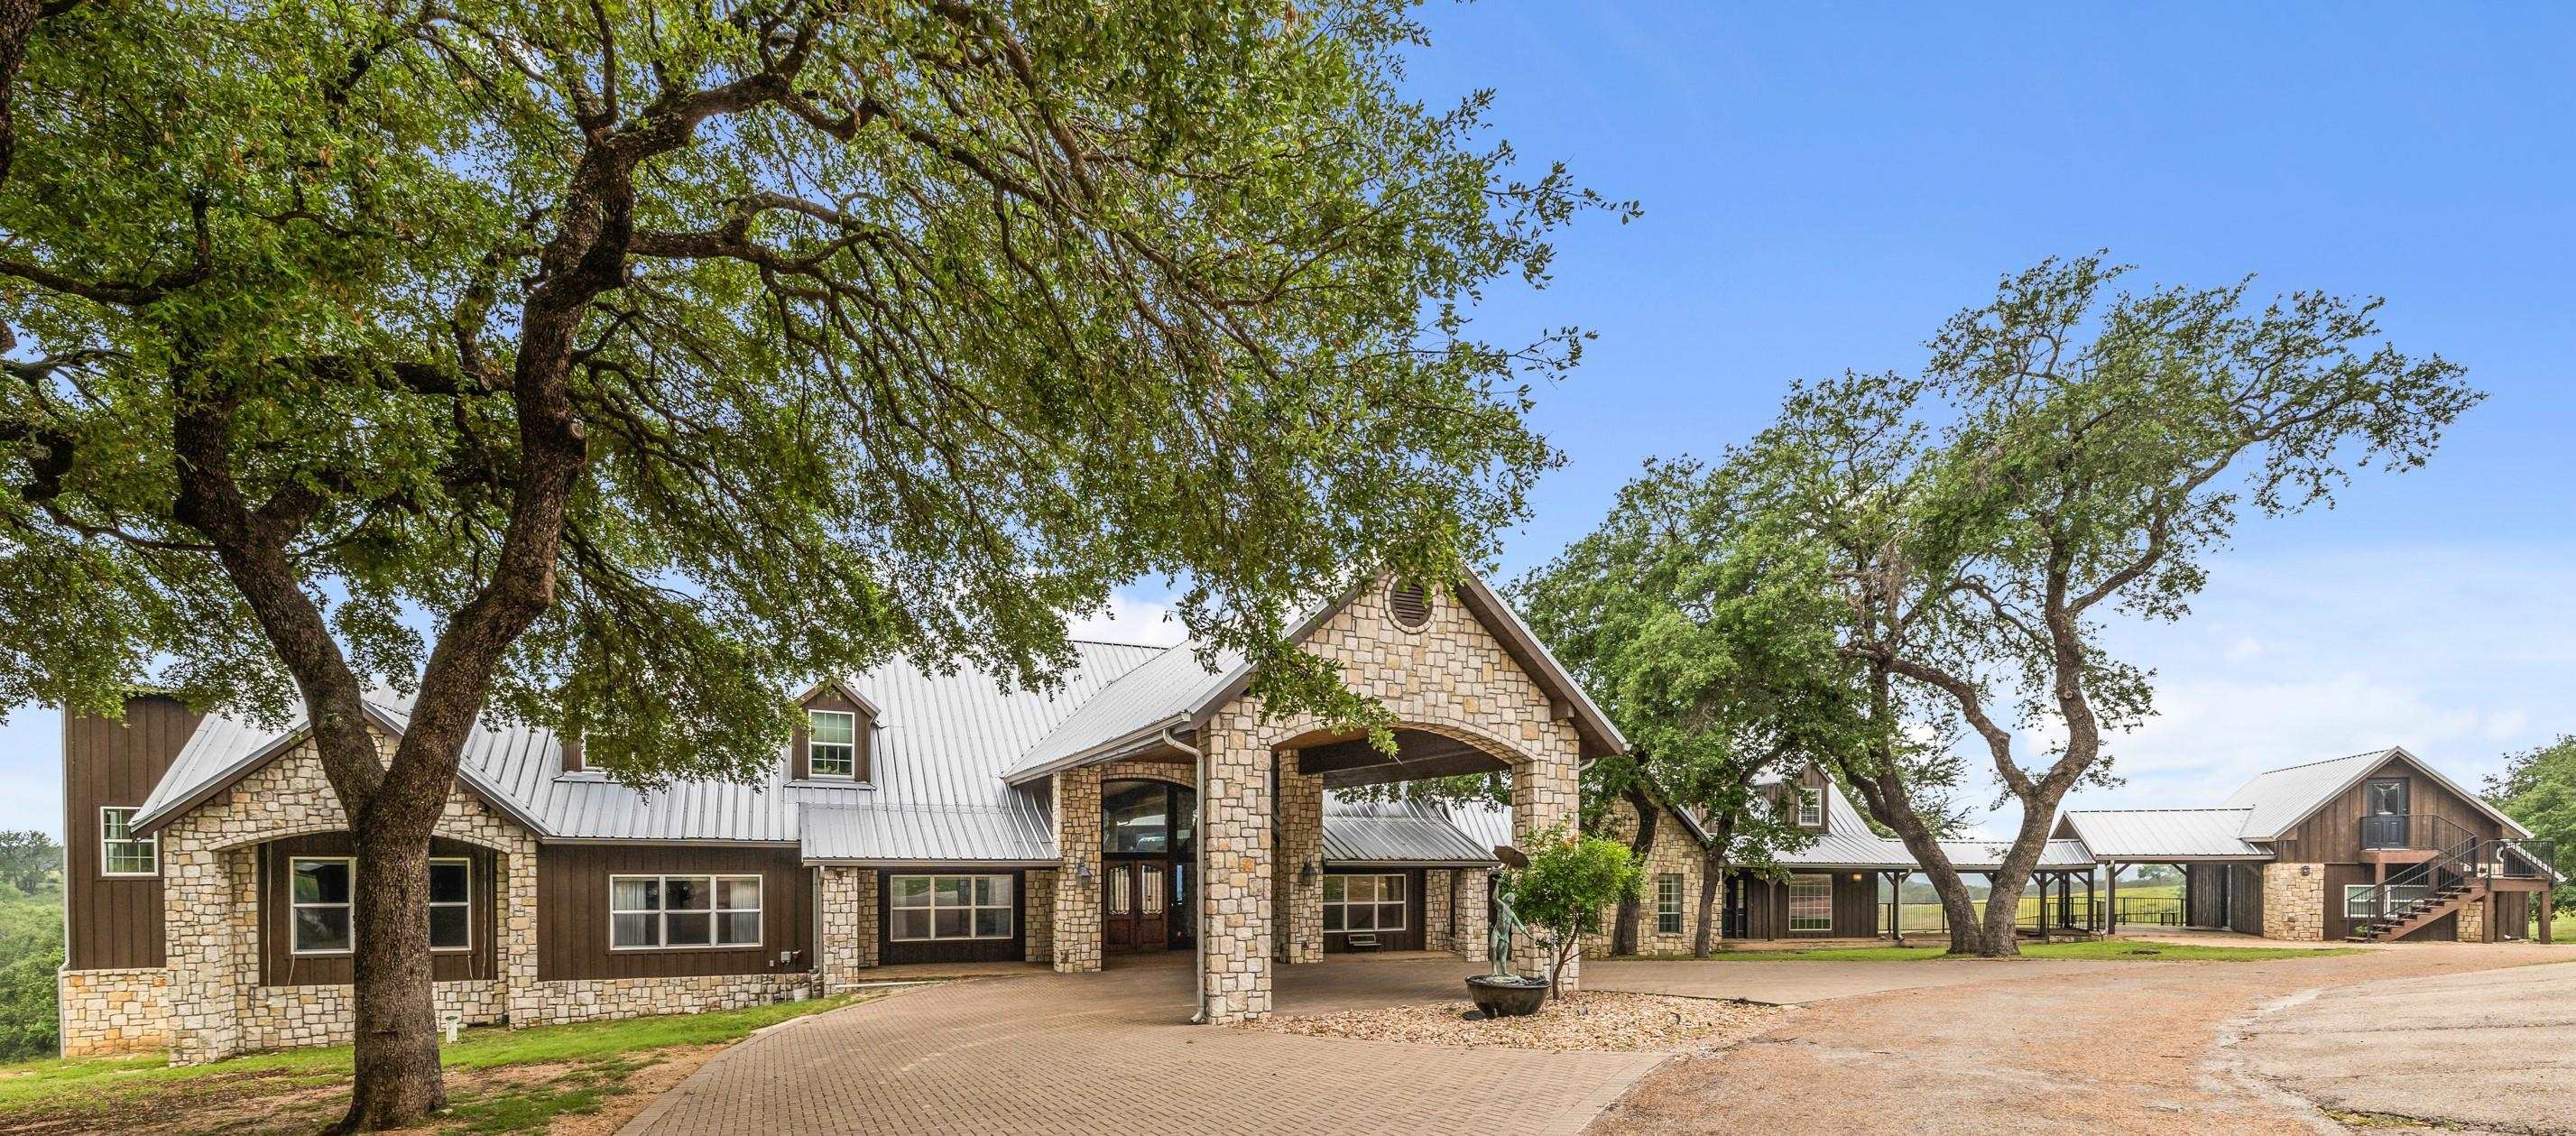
(2473,920)
(595,999)
(113,1011)
(2294,904)
(290,1017)
(847,925)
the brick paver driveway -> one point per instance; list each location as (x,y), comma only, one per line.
(1111,1052)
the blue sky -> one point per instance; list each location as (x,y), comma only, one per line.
(1823,186)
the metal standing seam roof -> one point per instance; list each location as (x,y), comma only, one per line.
(1396,832)
(2147,834)
(2283,797)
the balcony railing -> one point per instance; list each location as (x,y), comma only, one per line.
(2411,831)
(2524,859)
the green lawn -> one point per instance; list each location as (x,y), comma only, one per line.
(2101,949)
(583,1066)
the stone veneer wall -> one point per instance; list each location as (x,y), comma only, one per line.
(1076,928)
(1300,856)
(1674,853)
(593,999)
(1039,906)
(113,1011)
(1451,678)
(2294,905)
(211,912)
(2473,920)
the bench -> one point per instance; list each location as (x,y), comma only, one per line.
(1360,942)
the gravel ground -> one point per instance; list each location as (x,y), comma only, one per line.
(2132,1049)
(1600,1022)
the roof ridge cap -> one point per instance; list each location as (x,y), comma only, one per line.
(2380,752)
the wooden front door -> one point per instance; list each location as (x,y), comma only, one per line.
(2384,824)
(1136,897)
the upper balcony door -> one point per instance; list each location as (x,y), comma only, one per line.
(2384,809)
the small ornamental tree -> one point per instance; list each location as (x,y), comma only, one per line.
(1570,878)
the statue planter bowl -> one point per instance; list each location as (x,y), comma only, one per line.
(1507,996)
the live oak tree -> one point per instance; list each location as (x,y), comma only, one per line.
(621,366)
(1947,548)
(1708,691)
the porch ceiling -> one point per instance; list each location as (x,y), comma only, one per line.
(1419,754)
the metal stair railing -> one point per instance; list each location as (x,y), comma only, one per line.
(2418,888)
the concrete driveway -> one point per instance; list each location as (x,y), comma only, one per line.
(2490,1051)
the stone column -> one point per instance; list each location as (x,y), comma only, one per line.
(1234,893)
(848,925)
(2294,901)
(1544,795)
(516,951)
(196,907)
(1300,872)
(1471,890)
(1039,935)
(2473,921)
(1077,888)
(1436,883)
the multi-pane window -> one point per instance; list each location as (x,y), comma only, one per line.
(1811,904)
(1811,807)
(921,908)
(320,913)
(832,746)
(1668,904)
(120,852)
(1364,903)
(648,912)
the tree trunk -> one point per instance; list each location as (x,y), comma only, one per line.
(397,1074)
(1712,876)
(1623,935)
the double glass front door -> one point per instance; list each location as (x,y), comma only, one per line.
(1145,870)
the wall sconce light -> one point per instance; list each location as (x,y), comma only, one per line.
(1082,873)
(1306,872)
(2307,869)
(1855,876)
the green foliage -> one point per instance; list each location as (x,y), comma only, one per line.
(31,942)
(905,329)
(1904,562)
(2538,788)
(1570,878)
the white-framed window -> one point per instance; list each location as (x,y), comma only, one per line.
(1364,903)
(655,913)
(319,890)
(1811,904)
(924,908)
(832,744)
(120,852)
(1811,806)
(1668,904)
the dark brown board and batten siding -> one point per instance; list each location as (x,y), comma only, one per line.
(2332,835)
(1856,908)
(279,965)
(572,910)
(114,923)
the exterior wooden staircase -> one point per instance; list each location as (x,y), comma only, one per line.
(2442,873)
(2400,918)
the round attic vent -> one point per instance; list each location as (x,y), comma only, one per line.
(1410,603)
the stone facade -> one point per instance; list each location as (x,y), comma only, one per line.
(1076,927)
(210,911)
(593,999)
(2473,920)
(1452,678)
(1300,866)
(114,1011)
(2294,901)
(1674,854)
(847,926)
(1038,908)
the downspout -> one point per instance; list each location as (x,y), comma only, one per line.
(1198,863)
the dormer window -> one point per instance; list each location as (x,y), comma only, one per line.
(1811,807)
(832,750)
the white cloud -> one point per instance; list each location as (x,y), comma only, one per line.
(2244,648)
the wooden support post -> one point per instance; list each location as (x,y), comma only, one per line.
(2043,909)
(2111,901)
(2091,909)
(2544,915)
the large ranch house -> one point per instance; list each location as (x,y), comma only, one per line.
(1146,805)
